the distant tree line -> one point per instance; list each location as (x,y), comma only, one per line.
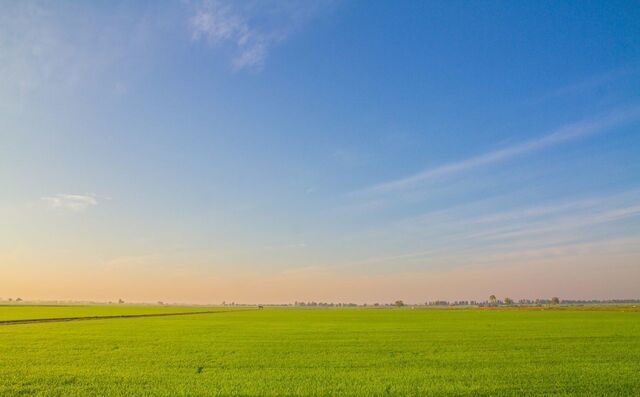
(325,304)
(595,301)
(491,301)
(13,300)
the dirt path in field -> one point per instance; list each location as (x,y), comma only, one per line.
(115,316)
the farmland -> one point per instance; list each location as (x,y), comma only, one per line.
(336,351)
(24,312)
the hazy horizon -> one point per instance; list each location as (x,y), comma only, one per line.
(334,151)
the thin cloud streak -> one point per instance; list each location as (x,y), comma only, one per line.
(597,81)
(71,202)
(565,224)
(451,232)
(561,135)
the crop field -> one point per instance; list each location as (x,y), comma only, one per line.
(25,312)
(318,352)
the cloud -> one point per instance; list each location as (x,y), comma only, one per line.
(71,202)
(49,49)
(460,235)
(545,229)
(565,134)
(250,28)
(592,83)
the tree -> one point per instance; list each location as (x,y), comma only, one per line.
(399,303)
(493,300)
(120,301)
(555,300)
(508,301)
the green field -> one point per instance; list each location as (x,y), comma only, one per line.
(22,312)
(355,351)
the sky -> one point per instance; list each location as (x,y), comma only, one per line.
(338,151)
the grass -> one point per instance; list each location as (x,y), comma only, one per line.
(357,352)
(23,312)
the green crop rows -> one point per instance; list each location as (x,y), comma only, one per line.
(355,351)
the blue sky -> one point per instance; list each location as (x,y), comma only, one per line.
(326,150)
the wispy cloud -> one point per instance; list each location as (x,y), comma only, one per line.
(458,236)
(45,48)
(71,202)
(591,83)
(561,135)
(618,200)
(561,225)
(250,28)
